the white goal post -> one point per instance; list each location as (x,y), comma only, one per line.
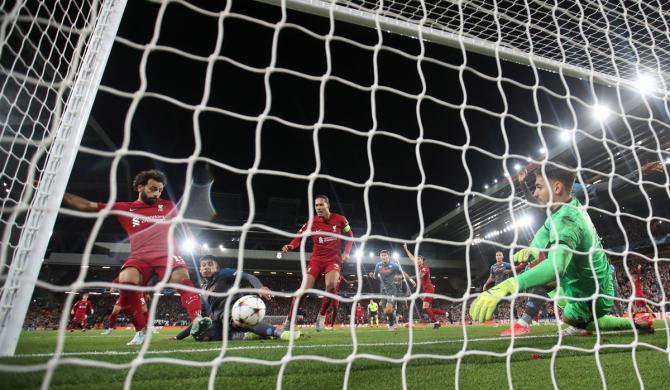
(52,161)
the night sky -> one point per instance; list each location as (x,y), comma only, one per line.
(356,137)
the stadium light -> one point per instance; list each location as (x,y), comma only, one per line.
(565,135)
(205,246)
(222,248)
(517,167)
(359,254)
(188,245)
(278,255)
(543,150)
(645,84)
(273,273)
(256,272)
(486,186)
(495,181)
(600,112)
(396,256)
(372,254)
(667,160)
(106,267)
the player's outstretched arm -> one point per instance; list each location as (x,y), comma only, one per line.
(408,253)
(543,273)
(78,203)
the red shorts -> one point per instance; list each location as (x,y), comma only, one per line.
(118,300)
(148,267)
(79,317)
(640,303)
(317,267)
(428,291)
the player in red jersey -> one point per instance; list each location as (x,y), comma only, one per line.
(426,287)
(331,305)
(80,313)
(326,256)
(641,307)
(149,249)
(359,314)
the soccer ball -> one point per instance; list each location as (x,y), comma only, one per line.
(248,311)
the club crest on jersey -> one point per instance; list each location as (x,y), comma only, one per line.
(334,228)
(160,208)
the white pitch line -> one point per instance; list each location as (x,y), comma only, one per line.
(283,346)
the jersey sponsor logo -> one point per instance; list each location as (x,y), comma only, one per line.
(136,222)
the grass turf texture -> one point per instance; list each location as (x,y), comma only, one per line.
(574,369)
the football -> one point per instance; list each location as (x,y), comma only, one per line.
(248,311)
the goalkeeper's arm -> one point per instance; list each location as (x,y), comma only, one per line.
(545,272)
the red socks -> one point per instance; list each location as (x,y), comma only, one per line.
(430,313)
(325,302)
(131,305)
(190,300)
(112,321)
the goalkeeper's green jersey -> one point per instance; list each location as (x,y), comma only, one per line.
(573,227)
(372,307)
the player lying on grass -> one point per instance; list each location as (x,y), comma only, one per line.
(574,253)
(220,280)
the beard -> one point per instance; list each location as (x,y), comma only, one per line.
(147,199)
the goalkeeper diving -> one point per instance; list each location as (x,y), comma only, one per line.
(574,254)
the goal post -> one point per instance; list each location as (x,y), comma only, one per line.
(406,18)
(38,209)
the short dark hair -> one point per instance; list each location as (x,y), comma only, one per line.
(210,258)
(143,177)
(560,173)
(324,197)
(381,252)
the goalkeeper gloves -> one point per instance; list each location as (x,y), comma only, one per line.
(526,254)
(482,308)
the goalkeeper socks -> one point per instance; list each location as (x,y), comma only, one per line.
(431,315)
(611,323)
(112,321)
(132,306)
(190,300)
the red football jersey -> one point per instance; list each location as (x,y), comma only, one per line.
(148,239)
(326,248)
(359,310)
(82,307)
(426,283)
(639,291)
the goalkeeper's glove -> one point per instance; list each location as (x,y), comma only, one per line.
(526,254)
(482,308)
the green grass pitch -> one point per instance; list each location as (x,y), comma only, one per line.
(329,360)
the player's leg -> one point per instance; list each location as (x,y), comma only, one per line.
(312,273)
(331,278)
(111,321)
(133,273)
(533,307)
(190,300)
(426,307)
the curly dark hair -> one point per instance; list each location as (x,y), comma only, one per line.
(143,177)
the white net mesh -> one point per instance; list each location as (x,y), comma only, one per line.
(415,117)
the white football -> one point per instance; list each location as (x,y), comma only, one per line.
(248,311)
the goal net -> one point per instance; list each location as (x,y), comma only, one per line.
(425,122)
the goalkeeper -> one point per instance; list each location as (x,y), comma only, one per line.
(574,252)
